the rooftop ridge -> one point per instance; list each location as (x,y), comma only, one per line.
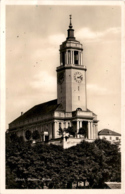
(108,132)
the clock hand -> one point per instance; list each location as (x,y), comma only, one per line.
(79,76)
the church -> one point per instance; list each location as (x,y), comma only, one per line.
(69,110)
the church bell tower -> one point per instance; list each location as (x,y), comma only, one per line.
(71,74)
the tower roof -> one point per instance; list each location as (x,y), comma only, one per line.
(108,132)
(71,41)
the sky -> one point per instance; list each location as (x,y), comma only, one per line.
(33,36)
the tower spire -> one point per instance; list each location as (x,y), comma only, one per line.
(70,25)
(70,30)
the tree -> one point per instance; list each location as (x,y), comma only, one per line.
(71,131)
(95,162)
(61,131)
(13,137)
(83,131)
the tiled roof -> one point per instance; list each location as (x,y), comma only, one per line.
(39,110)
(108,132)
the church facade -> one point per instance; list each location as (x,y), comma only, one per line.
(69,110)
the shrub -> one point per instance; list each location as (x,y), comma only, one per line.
(83,131)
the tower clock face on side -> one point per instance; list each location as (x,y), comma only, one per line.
(78,77)
(61,77)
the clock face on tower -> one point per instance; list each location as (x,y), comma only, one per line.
(60,77)
(78,77)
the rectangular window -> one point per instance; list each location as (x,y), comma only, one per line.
(59,125)
(63,58)
(110,138)
(76,57)
(78,97)
(78,88)
(69,57)
(117,138)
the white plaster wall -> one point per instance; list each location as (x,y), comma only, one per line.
(56,129)
(68,92)
(71,142)
(113,138)
(50,130)
(81,92)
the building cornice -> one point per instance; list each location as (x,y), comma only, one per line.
(109,134)
(71,47)
(71,67)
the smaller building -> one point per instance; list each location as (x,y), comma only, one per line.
(109,135)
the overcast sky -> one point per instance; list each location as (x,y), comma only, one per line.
(33,36)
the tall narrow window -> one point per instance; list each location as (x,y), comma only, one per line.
(63,58)
(76,57)
(78,97)
(59,125)
(78,88)
(69,56)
